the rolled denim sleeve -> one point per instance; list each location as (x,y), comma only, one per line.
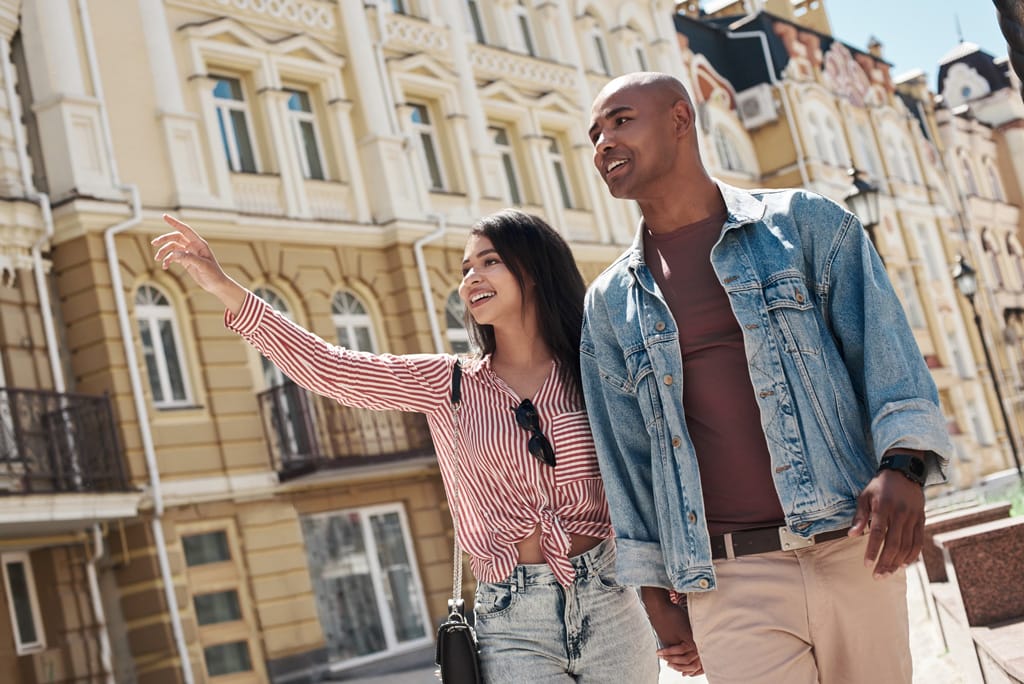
(623,450)
(884,362)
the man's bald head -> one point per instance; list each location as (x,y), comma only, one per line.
(665,88)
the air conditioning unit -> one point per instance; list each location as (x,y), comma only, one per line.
(756,106)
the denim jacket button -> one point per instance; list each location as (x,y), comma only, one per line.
(691,517)
(659,326)
(667,379)
(703,584)
(676,442)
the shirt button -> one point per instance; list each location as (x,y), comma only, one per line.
(691,517)
(667,379)
(703,584)
(676,442)
(659,326)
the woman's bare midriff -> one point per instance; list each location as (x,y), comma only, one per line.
(530,552)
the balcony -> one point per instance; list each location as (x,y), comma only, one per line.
(306,433)
(54,443)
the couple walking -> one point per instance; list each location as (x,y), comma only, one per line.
(712,422)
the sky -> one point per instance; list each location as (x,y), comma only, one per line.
(916,34)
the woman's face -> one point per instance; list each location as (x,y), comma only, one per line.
(489,290)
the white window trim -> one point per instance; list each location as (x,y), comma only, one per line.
(431,131)
(350,321)
(296,119)
(365,513)
(222,110)
(558,158)
(526,37)
(37,620)
(151,315)
(508,150)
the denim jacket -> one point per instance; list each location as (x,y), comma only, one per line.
(835,370)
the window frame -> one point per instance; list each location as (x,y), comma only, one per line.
(149,313)
(527,41)
(9,558)
(222,109)
(513,186)
(350,320)
(455,309)
(296,119)
(475,21)
(560,169)
(426,131)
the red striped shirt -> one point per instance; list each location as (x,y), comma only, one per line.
(504,493)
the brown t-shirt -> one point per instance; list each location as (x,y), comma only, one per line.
(722,416)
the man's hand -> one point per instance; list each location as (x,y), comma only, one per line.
(672,625)
(891,508)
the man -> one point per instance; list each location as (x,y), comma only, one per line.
(764,419)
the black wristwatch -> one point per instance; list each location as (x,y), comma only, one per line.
(911,465)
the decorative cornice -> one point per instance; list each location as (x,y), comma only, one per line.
(492,64)
(317,17)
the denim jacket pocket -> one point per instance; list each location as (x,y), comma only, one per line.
(575,457)
(792,313)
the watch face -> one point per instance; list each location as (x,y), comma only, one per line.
(916,466)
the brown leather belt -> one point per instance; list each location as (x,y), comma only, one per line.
(766,539)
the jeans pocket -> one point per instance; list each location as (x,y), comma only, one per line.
(493,600)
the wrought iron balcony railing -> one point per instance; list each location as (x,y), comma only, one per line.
(307,432)
(52,442)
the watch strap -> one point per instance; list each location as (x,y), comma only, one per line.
(911,465)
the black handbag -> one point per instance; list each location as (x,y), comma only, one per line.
(458,655)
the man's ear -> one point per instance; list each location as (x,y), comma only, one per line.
(682,117)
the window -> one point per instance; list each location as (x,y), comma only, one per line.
(907,288)
(303,123)
(220,606)
(557,162)
(454,315)
(476,21)
(909,163)
(355,329)
(398,6)
(424,131)
(508,163)
(980,422)
(224,659)
(272,375)
(209,547)
(869,157)
(956,350)
(233,120)
(26,620)
(525,30)
(161,348)
(993,180)
(934,263)
(600,53)
(991,246)
(365,582)
(970,184)
(641,59)
(728,153)
(825,136)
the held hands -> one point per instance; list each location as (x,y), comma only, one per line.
(186,247)
(891,510)
(671,623)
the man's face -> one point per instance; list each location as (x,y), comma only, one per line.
(635,141)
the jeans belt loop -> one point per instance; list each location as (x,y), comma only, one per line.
(730,553)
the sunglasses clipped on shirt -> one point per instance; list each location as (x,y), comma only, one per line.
(539,446)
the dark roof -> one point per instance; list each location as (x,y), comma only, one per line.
(993,71)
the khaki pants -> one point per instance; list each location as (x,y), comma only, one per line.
(810,616)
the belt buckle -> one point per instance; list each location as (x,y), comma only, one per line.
(791,540)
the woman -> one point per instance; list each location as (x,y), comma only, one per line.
(531,507)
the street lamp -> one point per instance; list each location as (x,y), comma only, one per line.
(862,199)
(966,281)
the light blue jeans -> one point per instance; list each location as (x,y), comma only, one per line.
(532,629)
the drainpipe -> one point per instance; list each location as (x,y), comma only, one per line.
(127,337)
(770,63)
(106,659)
(421,267)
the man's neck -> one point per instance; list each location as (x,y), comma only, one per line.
(695,202)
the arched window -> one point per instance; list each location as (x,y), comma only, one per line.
(970,182)
(993,180)
(161,348)
(458,336)
(354,326)
(991,246)
(826,135)
(728,152)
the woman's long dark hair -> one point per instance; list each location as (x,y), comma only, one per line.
(534,252)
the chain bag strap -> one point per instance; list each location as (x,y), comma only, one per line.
(457,656)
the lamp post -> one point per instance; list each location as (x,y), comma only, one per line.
(966,281)
(862,199)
